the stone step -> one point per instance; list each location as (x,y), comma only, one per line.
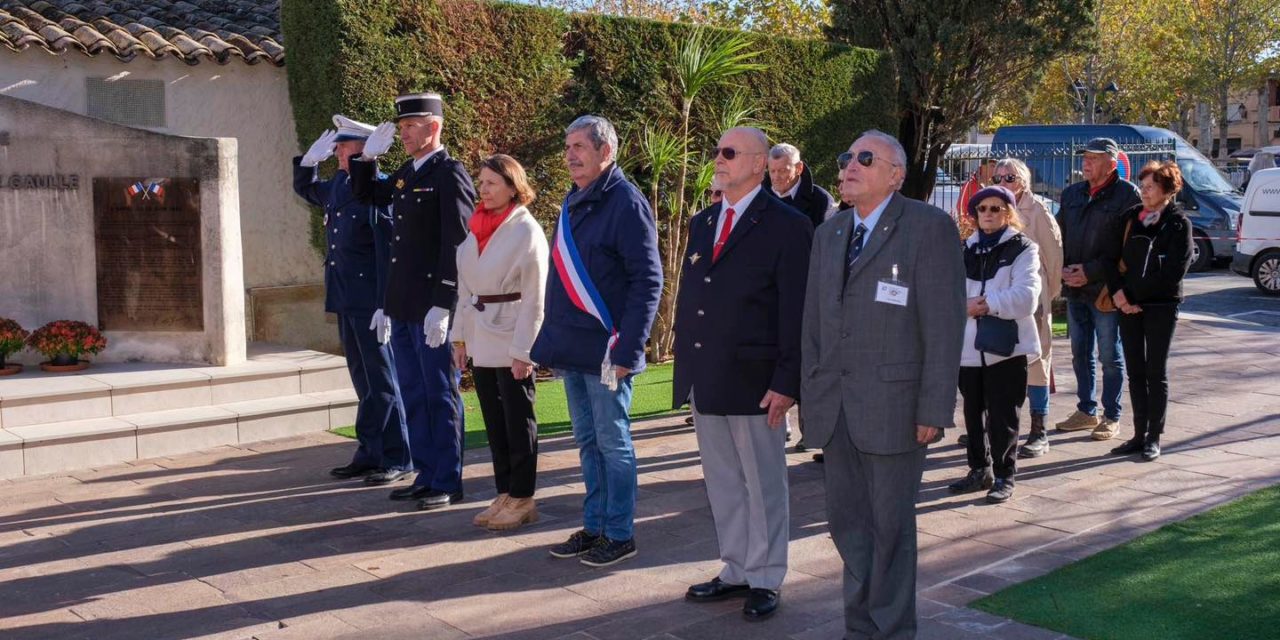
(67,445)
(122,389)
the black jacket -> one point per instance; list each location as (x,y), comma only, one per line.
(810,199)
(430,208)
(1085,221)
(737,328)
(356,242)
(1156,258)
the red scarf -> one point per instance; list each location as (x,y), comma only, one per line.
(485,222)
(1111,179)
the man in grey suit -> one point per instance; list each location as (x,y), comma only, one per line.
(880,355)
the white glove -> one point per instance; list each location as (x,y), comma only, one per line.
(381,326)
(321,149)
(436,326)
(380,140)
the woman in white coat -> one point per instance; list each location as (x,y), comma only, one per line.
(502,270)
(1003,287)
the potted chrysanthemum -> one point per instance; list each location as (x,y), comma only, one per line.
(64,341)
(12,339)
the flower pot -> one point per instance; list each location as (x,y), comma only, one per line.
(52,366)
(9,369)
(63,360)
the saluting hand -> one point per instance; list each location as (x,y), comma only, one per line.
(321,149)
(380,140)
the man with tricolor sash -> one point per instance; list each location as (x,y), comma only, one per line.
(601,297)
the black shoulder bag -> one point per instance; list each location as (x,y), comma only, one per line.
(995,335)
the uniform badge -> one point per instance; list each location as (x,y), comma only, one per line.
(400,183)
(693,259)
(326,220)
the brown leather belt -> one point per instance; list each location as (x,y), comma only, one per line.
(479,301)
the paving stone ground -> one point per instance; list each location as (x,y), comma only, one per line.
(257,542)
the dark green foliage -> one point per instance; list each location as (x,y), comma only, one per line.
(514,76)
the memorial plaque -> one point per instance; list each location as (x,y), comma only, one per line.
(147,232)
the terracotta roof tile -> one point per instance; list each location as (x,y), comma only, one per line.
(190,30)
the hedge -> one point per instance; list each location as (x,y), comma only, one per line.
(513,76)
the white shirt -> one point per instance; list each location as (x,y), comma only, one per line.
(870,221)
(738,208)
(418,162)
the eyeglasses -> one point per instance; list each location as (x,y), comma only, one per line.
(997,208)
(730,153)
(865,158)
(716,193)
(1011,178)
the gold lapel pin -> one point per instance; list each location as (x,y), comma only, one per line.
(400,183)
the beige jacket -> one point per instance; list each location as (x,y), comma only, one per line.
(514,260)
(1042,228)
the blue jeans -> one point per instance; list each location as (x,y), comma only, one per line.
(380,425)
(1038,397)
(1088,328)
(602,429)
(432,407)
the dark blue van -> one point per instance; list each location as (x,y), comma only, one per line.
(1207,197)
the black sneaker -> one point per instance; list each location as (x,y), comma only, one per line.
(577,544)
(1037,445)
(1151,450)
(607,552)
(975,480)
(1001,491)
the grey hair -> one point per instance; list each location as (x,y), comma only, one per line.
(899,154)
(1019,168)
(784,150)
(600,130)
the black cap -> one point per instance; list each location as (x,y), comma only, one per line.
(419,104)
(1101,145)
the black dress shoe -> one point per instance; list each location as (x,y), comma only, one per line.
(438,500)
(1151,450)
(760,604)
(715,590)
(975,480)
(1129,447)
(352,471)
(386,477)
(819,458)
(411,492)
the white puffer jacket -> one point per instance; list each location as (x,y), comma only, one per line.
(1012,272)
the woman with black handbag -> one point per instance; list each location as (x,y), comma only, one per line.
(1147,259)
(1003,282)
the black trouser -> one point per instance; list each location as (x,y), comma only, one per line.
(994,392)
(1146,338)
(507,407)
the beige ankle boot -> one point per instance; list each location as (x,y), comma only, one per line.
(517,512)
(499,503)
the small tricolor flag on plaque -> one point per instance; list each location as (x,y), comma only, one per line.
(135,190)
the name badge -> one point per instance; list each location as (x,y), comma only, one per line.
(891,290)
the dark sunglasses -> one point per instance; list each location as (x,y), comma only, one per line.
(865,158)
(716,193)
(730,153)
(997,208)
(1011,178)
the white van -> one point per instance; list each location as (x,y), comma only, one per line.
(1258,248)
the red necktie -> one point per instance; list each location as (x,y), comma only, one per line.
(724,234)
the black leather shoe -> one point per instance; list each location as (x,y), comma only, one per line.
(800,446)
(1001,491)
(386,477)
(715,590)
(352,471)
(1151,450)
(1129,447)
(760,604)
(411,492)
(963,440)
(975,480)
(819,458)
(438,500)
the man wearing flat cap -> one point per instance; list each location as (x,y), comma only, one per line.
(430,197)
(355,274)
(1088,208)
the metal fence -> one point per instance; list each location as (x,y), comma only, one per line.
(1053,167)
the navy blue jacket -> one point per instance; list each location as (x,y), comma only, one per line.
(356,234)
(614,231)
(738,319)
(430,208)
(1085,220)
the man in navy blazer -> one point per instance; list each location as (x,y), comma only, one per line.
(354,278)
(737,349)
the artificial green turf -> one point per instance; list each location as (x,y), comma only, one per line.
(1215,575)
(651,396)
